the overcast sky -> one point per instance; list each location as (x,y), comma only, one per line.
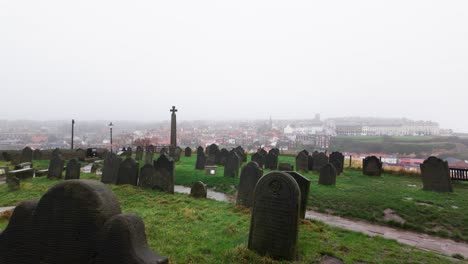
(133,60)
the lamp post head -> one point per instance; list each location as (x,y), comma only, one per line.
(111,125)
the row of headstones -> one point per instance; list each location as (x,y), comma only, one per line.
(159,175)
(267,160)
(28,155)
(314,162)
(148,153)
(231,160)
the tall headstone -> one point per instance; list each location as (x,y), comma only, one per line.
(232,165)
(55,168)
(327,175)
(320,160)
(337,159)
(250,174)
(139,153)
(302,162)
(128,172)
(173,127)
(72,172)
(304,186)
(371,166)
(149,154)
(224,155)
(271,161)
(258,158)
(435,175)
(201,161)
(200,150)
(165,174)
(26,155)
(275,216)
(147,176)
(188,152)
(310,164)
(111,167)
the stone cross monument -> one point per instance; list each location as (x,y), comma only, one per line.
(173,128)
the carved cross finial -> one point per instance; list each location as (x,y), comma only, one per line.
(173,110)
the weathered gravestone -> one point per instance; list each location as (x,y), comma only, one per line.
(37,154)
(337,159)
(75,222)
(198,190)
(310,163)
(24,165)
(213,151)
(201,161)
(275,216)
(271,161)
(200,150)
(13,183)
(6,156)
(139,153)
(320,160)
(164,151)
(258,158)
(188,152)
(327,175)
(149,154)
(165,174)
(111,168)
(276,151)
(250,174)
(128,152)
(22,174)
(224,153)
(26,155)
(147,176)
(176,154)
(262,151)
(55,168)
(435,175)
(128,172)
(304,186)
(80,154)
(302,162)
(231,169)
(371,166)
(241,153)
(72,172)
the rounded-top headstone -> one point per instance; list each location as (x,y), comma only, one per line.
(198,190)
(327,175)
(250,174)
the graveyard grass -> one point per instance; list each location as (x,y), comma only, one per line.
(189,230)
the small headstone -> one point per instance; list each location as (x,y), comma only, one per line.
(201,162)
(304,186)
(249,177)
(165,174)
(26,155)
(147,176)
(371,166)
(128,172)
(231,168)
(72,172)
(55,168)
(337,159)
(258,158)
(139,153)
(37,154)
(13,183)
(435,175)
(198,190)
(80,154)
(188,152)
(320,160)
(275,216)
(149,154)
(302,161)
(327,175)
(111,168)
(285,167)
(94,167)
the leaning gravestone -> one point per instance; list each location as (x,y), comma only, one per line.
(188,152)
(128,172)
(147,176)
(37,154)
(258,158)
(275,216)
(55,168)
(139,153)
(337,159)
(302,162)
(327,175)
(26,155)
(149,154)
(165,174)
(198,190)
(111,168)
(72,172)
(201,161)
(249,177)
(435,175)
(371,166)
(304,186)
(271,161)
(231,169)
(75,222)
(320,160)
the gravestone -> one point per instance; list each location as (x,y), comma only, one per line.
(147,176)
(26,155)
(128,172)
(310,163)
(213,151)
(258,158)
(275,216)
(320,160)
(139,153)
(80,154)
(337,159)
(56,152)
(224,155)
(164,151)
(198,190)
(164,168)
(188,152)
(177,153)
(37,154)
(75,222)
(111,168)
(13,183)
(302,162)
(241,153)
(94,167)
(72,172)
(371,166)
(24,165)
(271,161)
(55,168)
(275,151)
(6,156)
(285,167)
(231,169)
(262,152)
(250,174)
(435,175)
(201,161)
(149,154)
(128,152)
(327,175)
(304,187)
(200,150)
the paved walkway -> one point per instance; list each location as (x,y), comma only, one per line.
(422,241)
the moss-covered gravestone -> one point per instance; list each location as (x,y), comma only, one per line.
(198,190)
(327,175)
(371,166)
(55,167)
(147,176)
(302,161)
(128,172)
(165,173)
(73,169)
(435,175)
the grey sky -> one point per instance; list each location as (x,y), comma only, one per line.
(117,60)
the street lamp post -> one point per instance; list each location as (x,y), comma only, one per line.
(73,130)
(110,127)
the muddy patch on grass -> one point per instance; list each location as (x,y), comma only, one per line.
(391,215)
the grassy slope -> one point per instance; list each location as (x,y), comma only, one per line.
(206,231)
